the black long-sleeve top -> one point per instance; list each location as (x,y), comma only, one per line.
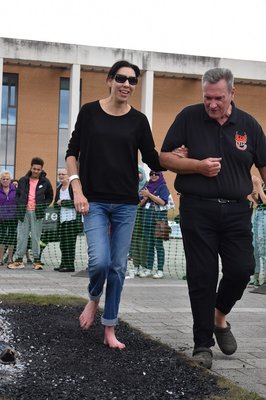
(106,147)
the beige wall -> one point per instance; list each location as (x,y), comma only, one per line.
(37,118)
(170,97)
(38,108)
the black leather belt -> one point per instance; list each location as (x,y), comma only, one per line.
(220,200)
(215,200)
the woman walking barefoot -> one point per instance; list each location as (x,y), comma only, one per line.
(107,137)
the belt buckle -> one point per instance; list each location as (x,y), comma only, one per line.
(223,201)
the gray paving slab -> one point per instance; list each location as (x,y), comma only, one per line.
(162,310)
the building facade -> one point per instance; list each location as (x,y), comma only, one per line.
(44,84)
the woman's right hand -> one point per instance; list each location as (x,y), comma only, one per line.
(81,203)
(181,152)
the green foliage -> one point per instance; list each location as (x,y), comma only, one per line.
(20,298)
(235,392)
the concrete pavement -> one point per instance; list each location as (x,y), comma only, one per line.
(161,309)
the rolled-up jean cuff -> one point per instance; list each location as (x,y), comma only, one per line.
(109,322)
(95,298)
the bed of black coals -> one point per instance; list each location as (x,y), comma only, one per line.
(57,360)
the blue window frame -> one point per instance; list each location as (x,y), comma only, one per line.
(63,132)
(63,136)
(8,122)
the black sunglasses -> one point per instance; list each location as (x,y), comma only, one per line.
(154,174)
(132,80)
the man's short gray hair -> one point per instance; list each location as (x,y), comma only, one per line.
(214,75)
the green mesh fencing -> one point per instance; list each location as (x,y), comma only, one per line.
(56,243)
(259,242)
(153,248)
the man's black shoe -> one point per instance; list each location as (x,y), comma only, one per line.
(203,357)
(225,339)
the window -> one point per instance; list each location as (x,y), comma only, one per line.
(8,121)
(63,133)
(63,136)
(64,103)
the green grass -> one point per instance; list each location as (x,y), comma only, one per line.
(20,298)
(235,392)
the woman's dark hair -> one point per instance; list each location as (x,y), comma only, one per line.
(120,64)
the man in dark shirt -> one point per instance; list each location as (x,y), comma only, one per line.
(214,180)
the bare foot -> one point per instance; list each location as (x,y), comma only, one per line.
(111,340)
(88,314)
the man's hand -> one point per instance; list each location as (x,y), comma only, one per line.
(209,167)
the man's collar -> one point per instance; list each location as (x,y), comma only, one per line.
(231,118)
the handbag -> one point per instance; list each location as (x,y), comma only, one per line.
(162,229)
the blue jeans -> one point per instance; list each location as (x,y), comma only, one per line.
(108,228)
(259,240)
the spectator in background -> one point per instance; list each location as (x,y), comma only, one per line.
(69,222)
(8,219)
(137,249)
(154,201)
(34,194)
(259,229)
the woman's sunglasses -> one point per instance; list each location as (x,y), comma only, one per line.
(154,174)
(132,80)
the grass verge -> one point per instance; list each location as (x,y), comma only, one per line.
(62,300)
(235,392)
